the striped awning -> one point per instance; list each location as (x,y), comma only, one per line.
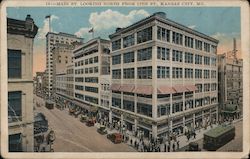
(165,90)
(180,89)
(127,88)
(115,87)
(148,90)
(191,88)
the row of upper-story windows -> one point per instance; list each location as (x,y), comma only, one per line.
(164,35)
(164,54)
(87,70)
(164,72)
(206,87)
(87,61)
(87,79)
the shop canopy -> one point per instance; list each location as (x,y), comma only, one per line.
(148,90)
(127,88)
(165,90)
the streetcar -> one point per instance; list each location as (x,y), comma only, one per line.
(49,104)
(219,136)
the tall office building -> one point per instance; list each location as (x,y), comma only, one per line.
(20,39)
(230,78)
(92,80)
(51,40)
(164,77)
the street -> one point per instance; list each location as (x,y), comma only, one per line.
(234,145)
(74,136)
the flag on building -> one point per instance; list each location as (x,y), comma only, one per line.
(91,30)
(47,16)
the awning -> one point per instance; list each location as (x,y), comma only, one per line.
(191,88)
(115,87)
(180,89)
(127,88)
(148,90)
(165,90)
(84,106)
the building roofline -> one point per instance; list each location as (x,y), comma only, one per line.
(64,34)
(158,17)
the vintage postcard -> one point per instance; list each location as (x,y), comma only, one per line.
(124,79)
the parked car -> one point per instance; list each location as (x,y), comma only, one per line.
(90,123)
(77,112)
(83,118)
(102,130)
(193,146)
(40,123)
(115,137)
(72,109)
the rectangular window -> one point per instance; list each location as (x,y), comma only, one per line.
(116,74)
(213,61)
(144,72)
(176,72)
(163,72)
(14,63)
(189,42)
(144,54)
(96,59)
(206,87)
(177,107)
(116,45)
(163,110)
(198,59)
(177,56)
(206,60)
(91,99)
(188,73)
(206,74)
(213,74)
(213,49)
(162,53)
(144,109)
(177,38)
(199,88)
(206,47)
(91,89)
(198,44)
(15,143)
(188,57)
(15,106)
(213,87)
(128,57)
(91,79)
(128,105)
(144,35)
(163,34)
(198,73)
(116,102)
(128,73)
(128,41)
(116,59)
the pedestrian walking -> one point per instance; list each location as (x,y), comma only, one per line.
(178,144)
(168,147)
(173,147)
(194,135)
(165,147)
(135,143)
(131,142)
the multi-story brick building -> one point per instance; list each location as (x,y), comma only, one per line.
(164,77)
(51,40)
(20,39)
(92,80)
(62,66)
(230,86)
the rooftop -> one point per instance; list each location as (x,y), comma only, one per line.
(161,16)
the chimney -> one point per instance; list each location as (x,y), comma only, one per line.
(29,23)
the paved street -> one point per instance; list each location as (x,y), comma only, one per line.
(74,136)
(234,145)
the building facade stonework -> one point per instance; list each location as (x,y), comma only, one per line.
(20,39)
(163,76)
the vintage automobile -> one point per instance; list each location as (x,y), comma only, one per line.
(219,136)
(90,123)
(193,146)
(115,137)
(49,104)
(83,118)
(77,112)
(102,130)
(40,123)
(72,109)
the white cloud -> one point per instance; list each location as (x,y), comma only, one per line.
(45,29)
(110,20)
(192,26)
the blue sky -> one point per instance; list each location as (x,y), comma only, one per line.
(222,23)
